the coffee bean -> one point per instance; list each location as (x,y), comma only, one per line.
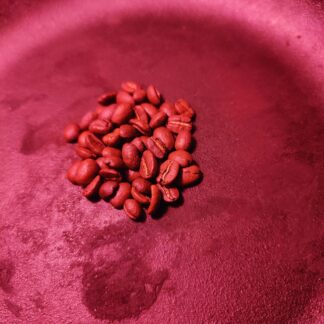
(128,131)
(124,97)
(107,112)
(113,162)
(100,127)
(183,108)
(94,144)
(84,153)
(178,123)
(133,209)
(170,194)
(131,156)
(82,173)
(183,140)
(113,138)
(131,175)
(82,138)
(149,165)
(99,110)
(141,126)
(158,119)
(107,189)
(142,185)
(150,109)
(123,193)
(130,86)
(87,119)
(165,136)
(139,95)
(92,188)
(153,95)
(110,174)
(71,132)
(155,199)
(107,98)
(184,158)
(190,175)
(141,114)
(111,151)
(73,171)
(169,171)
(122,113)
(101,162)
(144,140)
(168,108)
(139,144)
(156,147)
(139,197)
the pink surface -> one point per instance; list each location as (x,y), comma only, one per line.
(247,244)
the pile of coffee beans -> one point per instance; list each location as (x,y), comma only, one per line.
(134,149)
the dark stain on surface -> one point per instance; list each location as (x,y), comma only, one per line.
(13,308)
(7,271)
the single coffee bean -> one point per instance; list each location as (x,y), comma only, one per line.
(156,147)
(139,95)
(84,153)
(131,156)
(113,162)
(122,113)
(101,162)
(113,138)
(184,158)
(111,151)
(150,109)
(139,144)
(130,86)
(99,110)
(139,197)
(158,119)
(100,127)
(178,123)
(155,199)
(170,194)
(131,175)
(124,97)
(183,108)
(87,119)
(153,95)
(168,108)
(107,189)
(149,165)
(110,174)
(142,185)
(82,138)
(183,140)
(141,126)
(71,132)
(72,172)
(107,112)
(86,171)
(190,175)
(107,98)
(128,131)
(92,188)
(94,144)
(165,136)
(141,114)
(133,209)
(122,193)
(169,171)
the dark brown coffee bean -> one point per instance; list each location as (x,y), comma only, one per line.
(183,141)
(128,131)
(155,199)
(149,165)
(84,153)
(184,158)
(139,197)
(168,108)
(71,132)
(133,209)
(101,162)
(190,175)
(84,172)
(113,138)
(124,97)
(107,112)
(165,136)
(107,98)
(149,109)
(156,147)
(122,113)
(139,144)
(82,138)
(183,108)
(107,189)
(170,194)
(158,119)
(139,95)
(178,123)
(131,156)
(92,188)
(87,119)
(131,175)
(72,172)
(100,127)
(142,185)
(142,127)
(141,114)
(130,86)
(111,151)
(153,95)
(113,162)
(94,144)
(110,174)
(123,193)
(144,140)
(169,171)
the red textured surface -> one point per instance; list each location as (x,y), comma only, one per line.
(247,244)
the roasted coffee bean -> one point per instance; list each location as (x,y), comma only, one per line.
(144,140)
(84,153)
(142,185)
(190,175)
(178,123)
(113,138)
(158,119)
(122,113)
(92,188)
(127,131)
(141,114)
(155,199)
(141,126)
(139,197)
(156,147)
(107,112)
(153,95)
(100,127)
(94,144)
(169,171)
(111,151)
(110,174)
(122,193)
(87,119)
(184,158)
(165,136)
(124,97)
(168,108)
(73,171)
(101,162)
(183,108)
(83,172)
(82,138)
(139,95)
(183,141)
(150,109)
(107,189)
(133,209)
(131,175)
(107,98)
(99,110)
(71,132)
(113,162)
(139,144)
(149,165)
(130,86)
(170,194)
(131,156)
